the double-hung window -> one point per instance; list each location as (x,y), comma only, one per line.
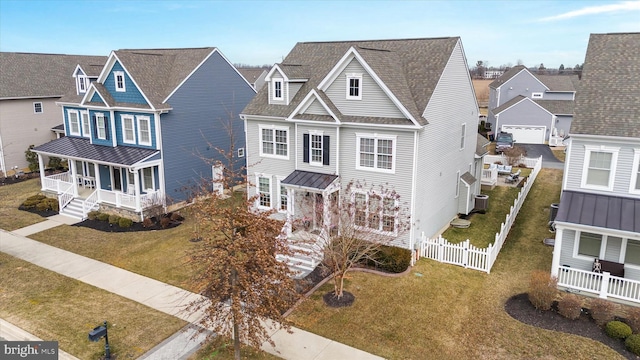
(74,122)
(86,128)
(128,131)
(283,197)
(375,212)
(147,179)
(277,89)
(589,244)
(274,142)
(354,86)
(37,108)
(101,126)
(264,191)
(375,152)
(82,84)
(634,186)
(315,148)
(144,130)
(632,252)
(118,77)
(599,167)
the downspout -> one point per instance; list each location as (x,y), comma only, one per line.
(414,174)
(2,164)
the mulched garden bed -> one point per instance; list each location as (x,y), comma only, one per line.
(137,226)
(45,213)
(520,308)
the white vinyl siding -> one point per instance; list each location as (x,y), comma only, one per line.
(144,130)
(86,127)
(599,167)
(74,122)
(375,152)
(128,131)
(274,142)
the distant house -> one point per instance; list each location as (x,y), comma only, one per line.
(255,76)
(30,85)
(395,113)
(137,137)
(599,212)
(537,109)
(493,74)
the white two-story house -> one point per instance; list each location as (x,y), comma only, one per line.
(400,114)
(599,213)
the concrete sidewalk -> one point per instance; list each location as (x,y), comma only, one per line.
(300,345)
(10,332)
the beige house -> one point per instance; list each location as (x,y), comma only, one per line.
(30,85)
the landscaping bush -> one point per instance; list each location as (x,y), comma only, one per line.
(47,204)
(147,222)
(103,217)
(32,201)
(176,217)
(125,223)
(542,290)
(114,219)
(55,162)
(618,330)
(602,311)
(392,259)
(165,222)
(633,343)
(93,215)
(570,306)
(633,319)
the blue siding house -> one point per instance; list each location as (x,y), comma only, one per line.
(145,132)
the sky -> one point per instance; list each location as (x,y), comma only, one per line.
(263,32)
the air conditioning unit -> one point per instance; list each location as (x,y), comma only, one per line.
(553,142)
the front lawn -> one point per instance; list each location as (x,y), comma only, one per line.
(55,307)
(11,196)
(448,312)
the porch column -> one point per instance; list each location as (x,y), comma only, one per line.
(74,176)
(289,210)
(96,170)
(41,167)
(136,190)
(326,213)
(557,248)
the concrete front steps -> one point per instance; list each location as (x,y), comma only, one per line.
(304,260)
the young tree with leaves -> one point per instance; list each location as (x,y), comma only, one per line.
(236,270)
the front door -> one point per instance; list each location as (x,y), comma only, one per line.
(117,179)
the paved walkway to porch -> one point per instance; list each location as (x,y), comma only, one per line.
(299,345)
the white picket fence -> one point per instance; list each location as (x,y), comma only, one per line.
(466,255)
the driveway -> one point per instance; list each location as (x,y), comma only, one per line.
(548,160)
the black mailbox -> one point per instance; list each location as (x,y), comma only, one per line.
(97,333)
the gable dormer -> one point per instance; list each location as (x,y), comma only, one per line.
(119,84)
(284,81)
(82,81)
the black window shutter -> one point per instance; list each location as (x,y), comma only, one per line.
(95,126)
(325,150)
(305,148)
(106,127)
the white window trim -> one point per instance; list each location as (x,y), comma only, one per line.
(623,254)
(82,84)
(153,180)
(266,176)
(41,107)
(240,152)
(86,132)
(537,95)
(635,174)
(321,134)
(381,214)
(115,79)
(79,132)
(279,193)
(140,119)
(274,82)
(463,135)
(350,76)
(576,247)
(273,128)
(377,137)
(123,119)
(457,184)
(102,136)
(588,149)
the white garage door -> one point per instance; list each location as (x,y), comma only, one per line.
(526,134)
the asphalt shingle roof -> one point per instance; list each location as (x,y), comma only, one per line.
(608,102)
(82,148)
(612,212)
(553,82)
(41,75)
(251,74)
(557,107)
(506,76)
(410,68)
(508,104)
(481,145)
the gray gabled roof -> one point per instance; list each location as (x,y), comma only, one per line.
(605,211)
(410,68)
(24,75)
(508,104)
(468,178)
(557,107)
(481,145)
(310,180)
(559,83)
(83,149)
(251,74)
(506,76)
(608,101)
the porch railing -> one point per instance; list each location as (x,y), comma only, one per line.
(57,182)
(66,194)
(89,203)
(602,284)
(489,176)
(120,199)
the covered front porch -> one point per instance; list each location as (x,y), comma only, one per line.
(109,179)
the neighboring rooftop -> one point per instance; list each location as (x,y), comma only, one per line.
(32,75)
(251,74)
(553,82)
(608,102)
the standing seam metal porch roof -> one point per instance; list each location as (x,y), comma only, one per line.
(81,148)
(308,179)
(604,211)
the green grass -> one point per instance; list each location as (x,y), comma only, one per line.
(55,307)
(11,196)
(448,312)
